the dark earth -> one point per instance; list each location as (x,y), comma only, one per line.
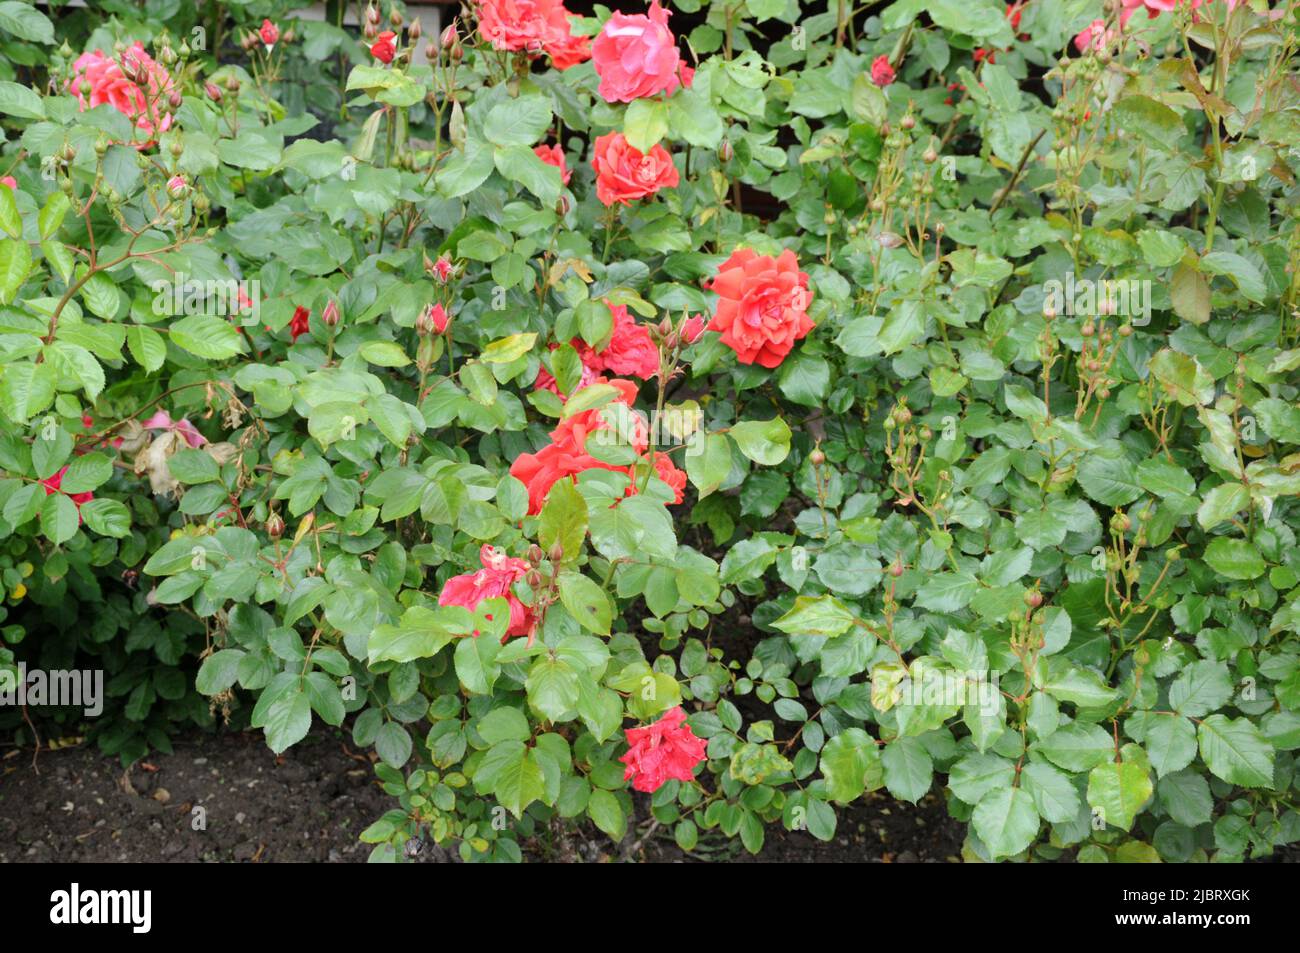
(76,805)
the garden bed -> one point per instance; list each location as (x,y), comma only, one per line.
(75,805)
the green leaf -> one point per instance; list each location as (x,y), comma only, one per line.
(850,763)
(816,615)
(586,602)
(1236,751)
(18,100)
(1182,378)
(11,222)
(645,123)
(288,719)
(1234,558)
(476,663)
(25,22)
(219,671)
(518,122)
(107,517)
(211,338)
(763,441)
(1006,820)
(420,634)
(59,519)
(1119,791)
(606,813)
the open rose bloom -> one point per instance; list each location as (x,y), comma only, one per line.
(625,174)
(763,309)
(109,83)
(636,56)
(494,581)
(532,26)
(666,750)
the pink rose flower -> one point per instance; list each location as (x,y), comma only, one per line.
(493,581)
(137,87)
(10,181)
(636,56)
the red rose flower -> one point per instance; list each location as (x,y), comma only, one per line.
(882,74)
(493,581)
(624,174)
(666,749)
(532,26)
(300,324)
(566,455)
(763,306)
(383,48)
(630,351)
(554,155)
(269,33)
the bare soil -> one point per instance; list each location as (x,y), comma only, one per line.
(226,797)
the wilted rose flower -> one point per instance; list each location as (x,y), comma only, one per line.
(188,432)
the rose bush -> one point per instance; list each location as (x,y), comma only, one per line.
(683,428)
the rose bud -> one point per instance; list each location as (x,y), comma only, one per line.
(692,328)
(413,31)
(274,526)
(726,150)
(441,320)
(330,316)
(213,91)
(448,38)
(177,186)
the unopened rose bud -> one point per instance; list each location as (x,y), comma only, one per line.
(370,31)
(448,38)
(395,18)
(175,100)
(1033,598)
(177,186)
(665,327)
(330,316)
(557,552)
(896,569)
(929,156)
(1049,312)
(372,14)
(414,30)
(562,206)
(816,458)
(535,554)
(726,150)
(232,84)
(213,91)
(907,122)
(274,526)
